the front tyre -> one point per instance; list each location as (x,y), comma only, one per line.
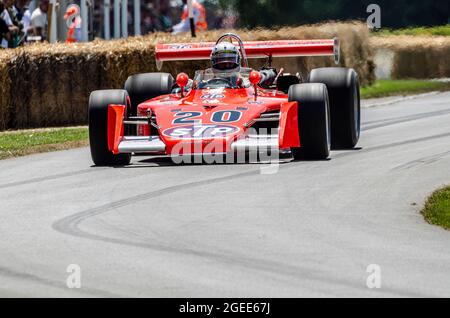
(145,86)
(98,126)
(313,121)
(345,105)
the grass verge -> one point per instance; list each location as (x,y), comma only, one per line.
(443,30)
(384,88)
(437,208)
(25,142)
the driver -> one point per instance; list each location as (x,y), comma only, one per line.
(226,62)
(225,57)
(226,65)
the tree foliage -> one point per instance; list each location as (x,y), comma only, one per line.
(394,13)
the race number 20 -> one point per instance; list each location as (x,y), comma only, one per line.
(192,117)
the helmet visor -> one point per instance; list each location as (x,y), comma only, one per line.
(225,61)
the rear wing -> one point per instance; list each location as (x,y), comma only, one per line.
(253,49)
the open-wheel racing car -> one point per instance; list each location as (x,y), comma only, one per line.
(228,109)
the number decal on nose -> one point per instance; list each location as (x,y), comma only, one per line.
(183,118)
(226,116)
(222,116)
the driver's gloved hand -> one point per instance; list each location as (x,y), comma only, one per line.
(268,76)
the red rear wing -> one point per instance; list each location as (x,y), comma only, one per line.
(253,49)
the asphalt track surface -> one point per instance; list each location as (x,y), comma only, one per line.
(311,229)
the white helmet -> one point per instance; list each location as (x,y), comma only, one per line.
(225,57)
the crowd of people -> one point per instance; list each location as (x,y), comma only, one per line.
(170,16)
(17,22)
(20,23)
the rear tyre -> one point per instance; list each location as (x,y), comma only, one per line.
(345,107)
(145,86)
(313,120)
(98,127)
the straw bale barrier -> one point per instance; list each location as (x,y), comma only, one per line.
(421,57)
(46,85)
(5,85)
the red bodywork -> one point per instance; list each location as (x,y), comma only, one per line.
(204,104)
(209,110)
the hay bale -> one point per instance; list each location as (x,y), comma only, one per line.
(417,56)
(49,84)
(5,87)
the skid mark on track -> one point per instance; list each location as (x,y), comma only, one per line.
(423,161)
(387,146)
(49,178)
(71,226)
(400,120)
(407,142)
(71,223)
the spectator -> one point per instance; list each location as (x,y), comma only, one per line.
(147,20)
(23,14)
(39,19)
(155,18)
(9,6)
(20,17)
(199,18)
(5,14)
(164,16)
(4,30)
(6,39)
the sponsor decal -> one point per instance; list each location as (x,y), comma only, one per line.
(180,46)
(270,44)
(167,100)
(200,131)
(212,101)
(212,96)
(211,45)
(255,102)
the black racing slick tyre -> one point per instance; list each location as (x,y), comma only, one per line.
(98,127)
(313,121)
(345,105)
(145,86)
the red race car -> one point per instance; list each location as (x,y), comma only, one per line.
(238,111)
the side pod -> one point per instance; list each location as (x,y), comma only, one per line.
(288,136)
(116,115)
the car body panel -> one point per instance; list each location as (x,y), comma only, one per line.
(210,120)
